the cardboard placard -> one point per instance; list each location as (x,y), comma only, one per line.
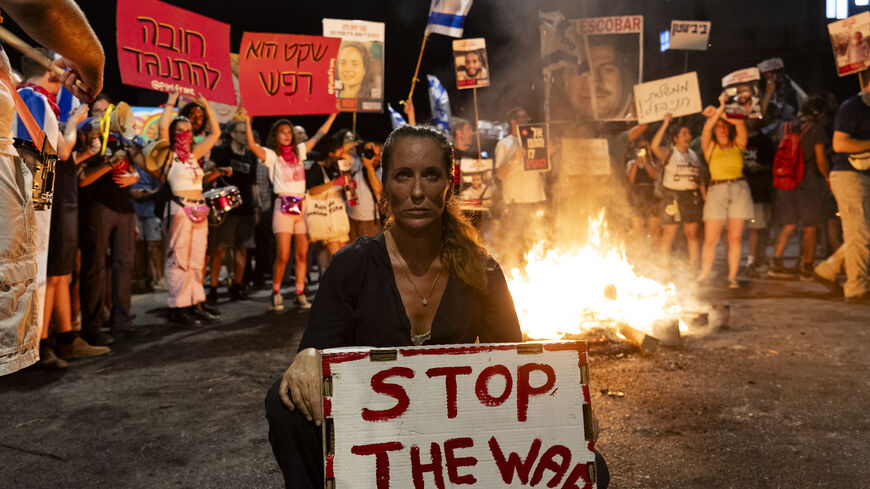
(691,35)
(287,74)
(359,78)
(582,157)
(678,95)
(166,48)
(742,86)
(472,65)
(481,415)
(477,187)
(533,139)
(850,39)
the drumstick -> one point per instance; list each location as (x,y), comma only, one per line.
(31,52)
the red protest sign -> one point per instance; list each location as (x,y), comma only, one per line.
(166,48)
(287,74)
(483,415)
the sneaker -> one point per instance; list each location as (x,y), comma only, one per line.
(211,309)
(833,285)
(776,270)
(237,293)
(180,315)
(48,359)
(200,312)
(277,302)
(733,283)
(102,339)
(80,348)
(212,296)
(301,302)
(806,271)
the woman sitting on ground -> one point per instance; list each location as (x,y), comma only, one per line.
(385,292)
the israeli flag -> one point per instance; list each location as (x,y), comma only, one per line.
(447,17)
(396,118)
(439,104)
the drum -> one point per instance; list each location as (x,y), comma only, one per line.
(221,200)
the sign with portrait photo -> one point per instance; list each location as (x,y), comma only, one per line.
(850,39)
(472,65)
(359,81)
(742,89)
(593,65)
(533,139)
(477,187)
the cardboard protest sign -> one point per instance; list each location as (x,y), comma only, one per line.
(533,139)
(485,415)
(477,186)
(472,66)
(678,95)
(287,74)
(166,48)
(742,86)
(593,64)
(581,157)
(690,34)
(850,39)
(359,82)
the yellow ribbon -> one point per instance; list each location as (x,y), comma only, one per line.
(105,122)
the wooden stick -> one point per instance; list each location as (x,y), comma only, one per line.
(353,126)
(638,338)
(35,55)
(417,69)
(476,123)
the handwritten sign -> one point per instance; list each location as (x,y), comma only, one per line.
(850,39)
(359,82)
(487,416)
(287,74)
(533,138)
(584,157)
(678,95)
(166,48)
(690,34)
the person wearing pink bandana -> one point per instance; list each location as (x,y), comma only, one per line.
(283,156)
(188,215)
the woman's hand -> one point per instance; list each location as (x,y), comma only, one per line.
(303,381)
(243,112)
(723,99)
(172,99)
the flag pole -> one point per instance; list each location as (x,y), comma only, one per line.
(353,125)
(417,69)
(476,123)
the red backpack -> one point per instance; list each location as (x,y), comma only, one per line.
(788,164)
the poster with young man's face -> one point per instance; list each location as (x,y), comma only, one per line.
(742,88)
(472,66)
(850,39)
(359,71)
(605,65)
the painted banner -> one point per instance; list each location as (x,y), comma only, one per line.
(533,138)
(472,66)
(166,48)
(582,157)
(477,186)
(691,35)
(593,64)
(850,39)
(481,415)
(678,95)
(287,74)
(359,83)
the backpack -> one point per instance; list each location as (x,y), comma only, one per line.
(788,163)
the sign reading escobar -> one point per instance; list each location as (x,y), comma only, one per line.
(485,415)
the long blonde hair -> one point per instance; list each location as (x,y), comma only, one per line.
(462,250)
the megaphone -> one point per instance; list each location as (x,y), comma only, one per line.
(121,120)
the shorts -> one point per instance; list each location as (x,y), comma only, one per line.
(288,223)
(801,206)
(63,240)
(235,232)
(150,228)
(644,201)
(761,216)
(728,200)
(681,206)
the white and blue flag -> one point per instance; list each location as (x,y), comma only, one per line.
(42,114)
(447,17)
(439,104)
(396,118)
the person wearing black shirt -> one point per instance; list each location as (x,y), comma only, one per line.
(758,169)
(426,280)
(237,229)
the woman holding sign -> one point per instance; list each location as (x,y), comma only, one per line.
(283,156)
(426,280)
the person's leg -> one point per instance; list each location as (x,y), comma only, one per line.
(296,443)
(712,232)
(216,263)
(654,228)
(241,256)
(94,246)
(334,246)
(301,257)
(782,241)
(735,244)
(282,256)
(753,246)
(690,229)
(51,284)
(852,191)
(198,249)
(75,296)
(809,253)
(123,242)
(668,234)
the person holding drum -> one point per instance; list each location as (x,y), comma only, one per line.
(188,228)
(283,156)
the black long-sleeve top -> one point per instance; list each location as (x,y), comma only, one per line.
(358,304)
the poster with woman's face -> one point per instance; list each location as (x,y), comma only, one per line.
(359,70)
(472,66)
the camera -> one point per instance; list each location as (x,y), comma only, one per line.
(641,153)
(367,153)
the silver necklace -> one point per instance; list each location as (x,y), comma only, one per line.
(425,300)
